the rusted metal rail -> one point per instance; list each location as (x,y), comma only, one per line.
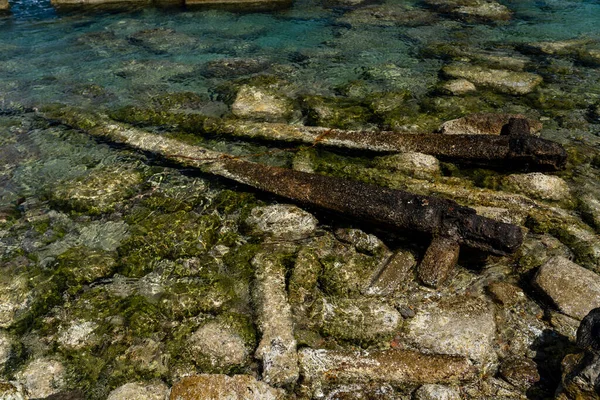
(449,224)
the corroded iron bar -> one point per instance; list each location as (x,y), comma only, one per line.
(385,207)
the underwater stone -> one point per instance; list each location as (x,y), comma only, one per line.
(363,242)
(389,15)
(502,214)
(219,346)
(78,334)
(277,347)
(162,40)
(590,56)
(234,67)
(14,298)
(359,320)
(538,185)
(439,261)
(393,276)
(98,191)
(484,124)
(263,105)
(520,372)
(556,48)
(537,249)
(436,392)
(505,293)
(394,367)
(574,289)
(43,377)
(458,87)
(476,10)
(12,391)
(282,222)
(589,205)
(504,81)
(148,357)
(418,165)
(237,387)
(6,344)
(459,325)
(139,391)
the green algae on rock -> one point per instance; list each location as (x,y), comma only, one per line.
(504,81)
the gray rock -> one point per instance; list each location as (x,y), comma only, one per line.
(484,124)
(218,345)
(14,298)
(237,387)
(363,242)
(6,344)
(393,276)
(277,347)
(282,222)
(12,391)
(436,392)
(262,104)
(418,165)
(574,289)
(538,185)
(79,334)
(459,325)
(42,377)
(139,391)
(358,320)
(589,205)
(564,325)
(503,81)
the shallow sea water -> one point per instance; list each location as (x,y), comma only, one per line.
(92,60)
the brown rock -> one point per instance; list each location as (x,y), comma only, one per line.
(574,289)
(484,124)
(219,387)
(520,372)
(393,276)
(506,293)
(4,5)
(439,261)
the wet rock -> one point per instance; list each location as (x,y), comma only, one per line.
(458,87)
(574,289)
(162,40)
(503,81)
(282,222)
(78,334)
(436,392)
(321,368)
(359,320)
(388,15)
(538,185)
(4,5)
(556,48)
(564,325)
(233,67)
(333,112)
(6,344)
(439,261)
(12,391)
(148,356)
(358,391)
(484,124)
(277,347)
(237,387)
(491,388)
(473,10)
(537,249)
(42,377)
(520,372)
(84,265)
(459,325)
(363,242)
(138,390)
(218,346)
(418,165)
(506,293)
(14,298)
(98,191)
(145,72)
(590,56)
(502,214)
(589,205)
(579,377)
(394,275)
(262,105)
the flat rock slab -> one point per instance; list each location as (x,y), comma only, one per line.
(219,387)
(504,81)
(574,289)
(395,367)
(460,325)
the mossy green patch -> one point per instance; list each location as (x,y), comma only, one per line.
(81,265)
(336,112)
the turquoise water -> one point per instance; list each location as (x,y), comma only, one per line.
(375,64)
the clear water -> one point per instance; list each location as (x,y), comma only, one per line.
(90,59)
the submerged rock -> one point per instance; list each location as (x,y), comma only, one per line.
(12,391)
(357,320)
(282,222)
(418,165)
(556,48)
(459,325)
(6,344)
(538,185)
(503,81)
(458,87)
(162,40)
(573,289)
(15,298)
(216,346)
(263,105)
(484,124)
(389,15)
(234,67)
(482,10)
(436,392)
(138,390)
(321,368)
(216,387)
(394,275)
(43,377)
(277,347)
(520,372)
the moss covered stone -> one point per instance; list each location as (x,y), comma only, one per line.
(82,265)
(335,112)
(99,191)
